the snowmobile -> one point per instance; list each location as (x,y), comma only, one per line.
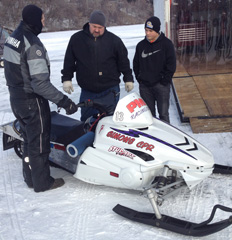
(128,148)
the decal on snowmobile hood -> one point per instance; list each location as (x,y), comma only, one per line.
(137,134)
(121,152)
(132,111)
(120,137)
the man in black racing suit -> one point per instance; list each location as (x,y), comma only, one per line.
(27,72)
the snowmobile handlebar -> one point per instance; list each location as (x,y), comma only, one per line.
(90,103)
(105,104)
(87,103)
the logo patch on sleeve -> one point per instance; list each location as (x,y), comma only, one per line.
(38,53)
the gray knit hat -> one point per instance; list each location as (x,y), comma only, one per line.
(98,17)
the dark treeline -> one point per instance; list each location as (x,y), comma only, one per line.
(72,14)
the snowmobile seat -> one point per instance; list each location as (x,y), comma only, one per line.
(64,129)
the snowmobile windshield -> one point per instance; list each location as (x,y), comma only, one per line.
(132,111)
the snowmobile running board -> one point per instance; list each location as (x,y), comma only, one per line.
(177,225)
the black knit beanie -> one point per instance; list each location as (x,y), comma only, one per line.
(153,23)
(32,16)
(98,17)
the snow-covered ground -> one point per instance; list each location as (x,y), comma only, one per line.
(83,211)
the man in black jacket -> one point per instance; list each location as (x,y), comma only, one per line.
(27,73)
(98,57)
(154,64)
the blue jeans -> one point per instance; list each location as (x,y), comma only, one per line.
(85,95)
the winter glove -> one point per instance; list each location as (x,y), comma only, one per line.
(129,86)
(69,106)
(68,87)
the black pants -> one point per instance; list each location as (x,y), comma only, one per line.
(35,121)
(159,94)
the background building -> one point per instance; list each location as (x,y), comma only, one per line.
(201,31)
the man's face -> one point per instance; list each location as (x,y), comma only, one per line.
(151,35)
(96,30)
(43,20)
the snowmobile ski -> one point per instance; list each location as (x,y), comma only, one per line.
(222,169)
(177,225)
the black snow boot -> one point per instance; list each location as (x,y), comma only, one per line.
(57,183)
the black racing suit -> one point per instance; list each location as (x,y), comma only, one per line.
(27,72)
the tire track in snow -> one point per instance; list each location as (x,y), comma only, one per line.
(194,205)
(197,204)
(8,190)
(88,218)
(9,194)
(80,219)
